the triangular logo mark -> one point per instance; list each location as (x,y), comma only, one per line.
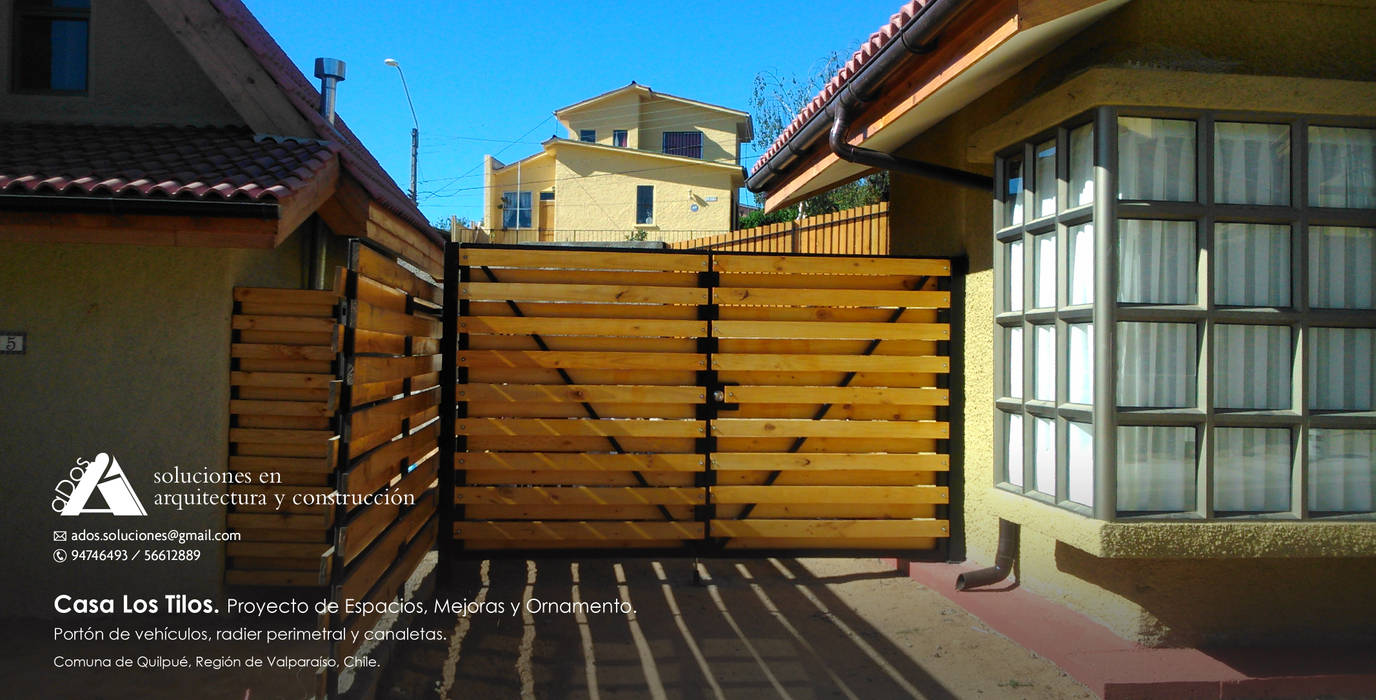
(104,475)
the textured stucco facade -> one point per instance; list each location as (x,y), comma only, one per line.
(1161,583)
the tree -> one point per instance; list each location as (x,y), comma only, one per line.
(776,99)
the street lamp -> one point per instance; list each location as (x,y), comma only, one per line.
(415,130)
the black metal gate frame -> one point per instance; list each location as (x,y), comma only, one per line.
(950,548)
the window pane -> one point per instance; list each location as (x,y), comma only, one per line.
(1342,471)
(1342,167)
(1012,199)
(1341,261)
(1252,265)
(1046,178)
(1080,462)
(1156,365)
(1080,368)
(1251,470)
(1156,159)
(1156,262)
(1044,466)
(588,135)
(1156,467)
(1014,355)
(683,143)
(1044,265)
(1251,163)
(1340,369)
(1013,459)
(1080,266)
(1252,367)
(645,204)
(1082,166)
(1014,275)
(1044,360)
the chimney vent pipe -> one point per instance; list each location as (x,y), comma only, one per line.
(330,71)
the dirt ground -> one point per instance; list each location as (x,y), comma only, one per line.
(753,628)
(750,628)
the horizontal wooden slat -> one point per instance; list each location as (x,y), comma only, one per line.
(582,360)
(840,265)
(580,427)
(368,370)
(584,530)
(389,414)
(314,409)
(802,427)
(804,329)
(375,318)
(637,278)
(264,351)
(883,396)
(830,494)
(831,363)
(268,295)
(295,324)
(830,528)
(600,293)
(383,269)
(296,550)
(793,461)
(573,259)
(292,437)
(766,296)
(911,282)
(385,551)
(580,462)
(616,327)
(581,393)
(282,380)
(579,495)
(235,577)
(267,521)
(572,310)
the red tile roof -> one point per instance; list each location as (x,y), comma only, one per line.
(358,162)
(207,163)
(862,55)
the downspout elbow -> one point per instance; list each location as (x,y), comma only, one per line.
(1003,560)
(887,161)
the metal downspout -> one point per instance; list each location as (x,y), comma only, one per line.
(1003,561)
(840,124)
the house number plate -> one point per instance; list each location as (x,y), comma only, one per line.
(13,342)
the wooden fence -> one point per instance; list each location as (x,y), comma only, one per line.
(858,231)
(608,399)
(386,520)
(284,394)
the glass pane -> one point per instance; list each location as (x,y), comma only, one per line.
(1156,365)
(1252,367)
(1342,167)
(1156,467)
(1014,344)
(1080,462)
(1013,458)
(1080,368)
(1044,465)
(1046,178)
(1251,163)
(1044,360)
(1157,262)
(1044,265)
(1080,266)
(1340,369)
(1251,469)
(1012,200)
(1342,471)
(1341,261)
(1156,159)
(1252,265)
(1015,276)
(1082,165)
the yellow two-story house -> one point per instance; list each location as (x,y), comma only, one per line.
(636,164)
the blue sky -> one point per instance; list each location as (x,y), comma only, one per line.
(484,75)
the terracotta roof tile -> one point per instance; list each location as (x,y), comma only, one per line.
(862,55)
(210,163)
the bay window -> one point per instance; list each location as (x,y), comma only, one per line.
(1187,324)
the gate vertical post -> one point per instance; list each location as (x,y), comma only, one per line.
(448,446)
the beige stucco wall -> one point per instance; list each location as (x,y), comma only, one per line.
(596,191)
(1159,583)
(616,112)
(534,175)
(139,74)
(128,354)
(718,130)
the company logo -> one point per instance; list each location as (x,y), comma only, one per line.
(103,475)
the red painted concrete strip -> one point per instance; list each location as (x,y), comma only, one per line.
(1117,669)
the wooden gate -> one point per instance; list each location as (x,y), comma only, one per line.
(698,402)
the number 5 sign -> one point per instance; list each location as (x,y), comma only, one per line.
(13,342)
